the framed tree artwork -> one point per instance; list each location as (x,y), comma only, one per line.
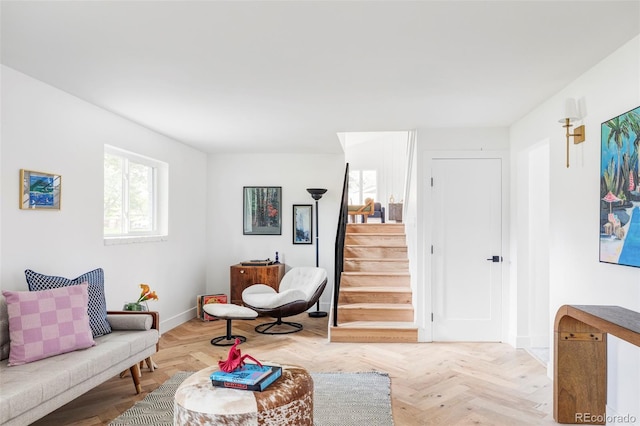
(261,210)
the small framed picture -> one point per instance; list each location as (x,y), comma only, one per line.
(261,213)
(39,190)
(302,224)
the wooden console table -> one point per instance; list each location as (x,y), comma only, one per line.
(580,359)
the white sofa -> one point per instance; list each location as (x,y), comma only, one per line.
(31,391)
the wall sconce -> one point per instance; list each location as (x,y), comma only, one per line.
(571,115)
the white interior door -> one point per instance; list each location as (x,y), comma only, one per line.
(467,234)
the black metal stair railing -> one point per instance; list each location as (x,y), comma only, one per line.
(340,237)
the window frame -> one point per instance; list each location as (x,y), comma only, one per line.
(159,197)
(361,194)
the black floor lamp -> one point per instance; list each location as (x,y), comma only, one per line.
(317,193)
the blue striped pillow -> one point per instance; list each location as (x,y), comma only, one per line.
(97,308)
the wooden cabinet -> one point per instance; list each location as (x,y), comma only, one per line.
(244,276)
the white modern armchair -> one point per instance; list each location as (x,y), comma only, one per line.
(299,290)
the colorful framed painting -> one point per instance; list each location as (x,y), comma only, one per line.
(261,210)
(302,224)
(620,190)
(39,191)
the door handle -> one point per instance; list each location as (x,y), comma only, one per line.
(495,259)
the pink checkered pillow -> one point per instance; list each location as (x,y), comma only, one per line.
(47,323)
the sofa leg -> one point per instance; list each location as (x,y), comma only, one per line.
(135,375)
(152,365)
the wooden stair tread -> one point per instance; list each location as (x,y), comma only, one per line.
(378,234)
(391,246)
(376,274)
(376,289)
(375,331)
(378,325)
(375,225)
(389,306)
(374,259)
(372,247)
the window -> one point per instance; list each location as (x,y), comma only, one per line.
(362,185)
(135,196)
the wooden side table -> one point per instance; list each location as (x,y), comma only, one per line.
(245,276)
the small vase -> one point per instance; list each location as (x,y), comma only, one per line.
(135,306)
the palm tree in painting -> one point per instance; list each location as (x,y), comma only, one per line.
(608,176)
(619,132)
(633,118)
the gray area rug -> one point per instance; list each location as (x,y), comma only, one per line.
(340,399)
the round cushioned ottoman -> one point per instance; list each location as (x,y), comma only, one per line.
(288,401)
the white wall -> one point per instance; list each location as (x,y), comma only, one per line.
(384,152)
(45,129)
(434,143)
(294,173)
(535,270)
(576,276)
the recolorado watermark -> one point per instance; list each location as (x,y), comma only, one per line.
(604,419)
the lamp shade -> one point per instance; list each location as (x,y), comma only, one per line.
(316,193)
(570,111)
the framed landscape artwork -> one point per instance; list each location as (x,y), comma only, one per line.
(620,190)
(261,210)
(302,224)
(39,190)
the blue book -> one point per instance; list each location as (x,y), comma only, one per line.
(276,372)
(248,374)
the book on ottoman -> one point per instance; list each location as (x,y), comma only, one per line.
(248,377)
(203,299)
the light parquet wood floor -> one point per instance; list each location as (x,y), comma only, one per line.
(431,383)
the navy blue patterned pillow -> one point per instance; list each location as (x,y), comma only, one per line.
(97,308)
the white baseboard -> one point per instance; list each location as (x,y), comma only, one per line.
(522,342)
(176,320)
(538,341)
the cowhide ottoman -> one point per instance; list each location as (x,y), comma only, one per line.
(288,401)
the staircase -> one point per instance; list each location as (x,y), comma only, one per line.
(375,303)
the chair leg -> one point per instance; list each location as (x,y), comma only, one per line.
(266,327)
(228,339)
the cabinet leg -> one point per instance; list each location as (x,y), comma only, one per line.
(580,373)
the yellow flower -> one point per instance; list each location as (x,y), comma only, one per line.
(145,289)
(146,294)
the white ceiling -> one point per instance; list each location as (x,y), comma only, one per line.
(287,76)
